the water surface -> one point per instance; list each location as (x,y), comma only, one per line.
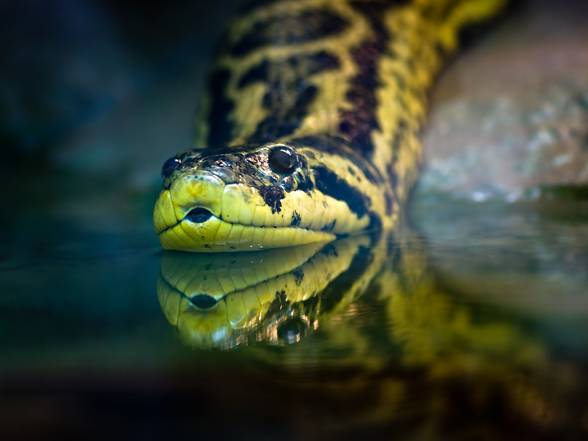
(470,324)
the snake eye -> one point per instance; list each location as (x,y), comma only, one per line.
(169,166)
(282,160)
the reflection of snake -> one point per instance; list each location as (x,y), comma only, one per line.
(233,299)
(274,295)
(427,349)
(311,124)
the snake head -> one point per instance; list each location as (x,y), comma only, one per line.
(254,197)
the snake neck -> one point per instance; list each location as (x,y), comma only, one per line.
(353,72)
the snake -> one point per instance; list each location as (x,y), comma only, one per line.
(309,130)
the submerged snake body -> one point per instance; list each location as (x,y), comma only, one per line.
(311,124)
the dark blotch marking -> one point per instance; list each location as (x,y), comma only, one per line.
(305,184)
(330,226)
(221,127)
(389,203)
(338,146)
(330,250)
(295,219)
(289,92)
(330,184)
(203,301)
(357,123)
(375,223)
(290,29)
(311,64)
(258,73)
(298,274)
(336,290)
(281,297)
(272,196)
(279,303)
(283,119)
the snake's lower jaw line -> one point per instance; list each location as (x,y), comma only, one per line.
(194,233)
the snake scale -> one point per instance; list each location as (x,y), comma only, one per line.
(310,128)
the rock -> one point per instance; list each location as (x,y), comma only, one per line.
(511,114)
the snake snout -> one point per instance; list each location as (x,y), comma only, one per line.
(198,196)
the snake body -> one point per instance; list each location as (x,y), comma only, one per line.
(310,128)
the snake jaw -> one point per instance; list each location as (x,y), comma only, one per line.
(197,190)
(217,235)
(194,191)
(201,213)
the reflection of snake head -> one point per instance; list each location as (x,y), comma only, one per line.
(267,196)
(276,295)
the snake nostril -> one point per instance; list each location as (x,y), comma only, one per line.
(198,215)
(203,301)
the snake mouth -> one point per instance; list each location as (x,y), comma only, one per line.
(202,213)
(202,231)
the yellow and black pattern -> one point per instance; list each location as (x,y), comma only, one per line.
(310,129)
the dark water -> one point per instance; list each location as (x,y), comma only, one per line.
(470,325)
